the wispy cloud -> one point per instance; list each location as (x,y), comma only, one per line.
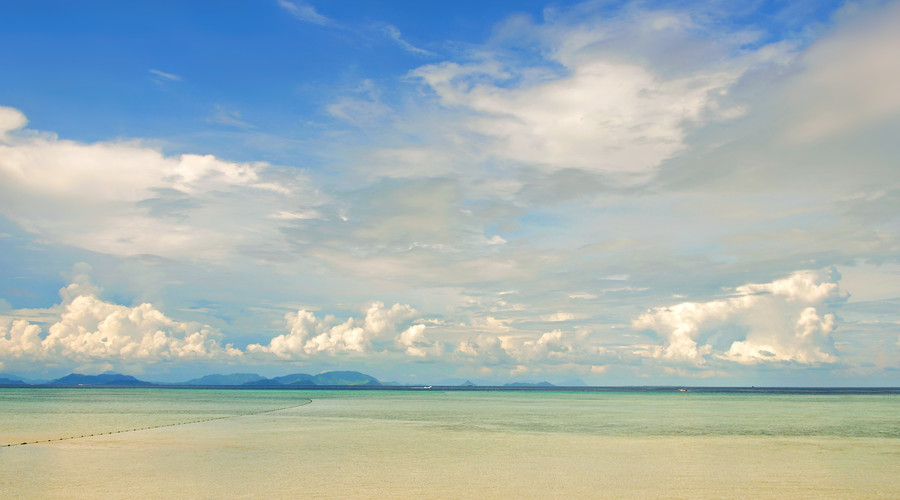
(391,31)
(163,76)
(228,116)
(305,12)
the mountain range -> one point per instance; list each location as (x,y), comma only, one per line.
(325,379)
(335,378)
(108,378)
(342,378)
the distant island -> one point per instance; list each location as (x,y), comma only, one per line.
(105,379)
(335,378)
(112,379)
(248,380)
(12,381)
(357,380)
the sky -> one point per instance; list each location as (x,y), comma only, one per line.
(601,192)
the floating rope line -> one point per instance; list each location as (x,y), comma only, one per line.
(308,401)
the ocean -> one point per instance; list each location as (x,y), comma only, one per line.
(219,443)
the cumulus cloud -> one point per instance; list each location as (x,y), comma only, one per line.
(86,330)
(10,119)
(811,342)
(777,321)
(553,347)
(89,330)
(310,336)
(484,348)
(125,198)
(415,344)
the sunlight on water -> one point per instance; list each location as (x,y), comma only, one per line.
(457,444)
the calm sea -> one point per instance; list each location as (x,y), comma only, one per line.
(434,444)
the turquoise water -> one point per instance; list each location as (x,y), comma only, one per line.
(50,414)
(434,444)
(638,414)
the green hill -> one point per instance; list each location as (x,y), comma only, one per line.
(231,379)
(108,378)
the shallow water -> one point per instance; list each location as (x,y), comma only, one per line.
(456,444)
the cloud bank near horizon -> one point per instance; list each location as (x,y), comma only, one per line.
(777,322)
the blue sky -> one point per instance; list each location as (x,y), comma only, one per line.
(611,192)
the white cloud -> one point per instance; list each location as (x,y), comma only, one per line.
(554,347)
(558,317)
(802,286)
(125,198)
(496,240)
(309,335)
(11,119)
(87,331)
(379,320)
(391,31)
(90,330)
(608,117)
(305,12)
(123,171)
(574,102)
(415,344)
(811,342)
(778,321)
(485,349)
(19,339)
(170,77)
